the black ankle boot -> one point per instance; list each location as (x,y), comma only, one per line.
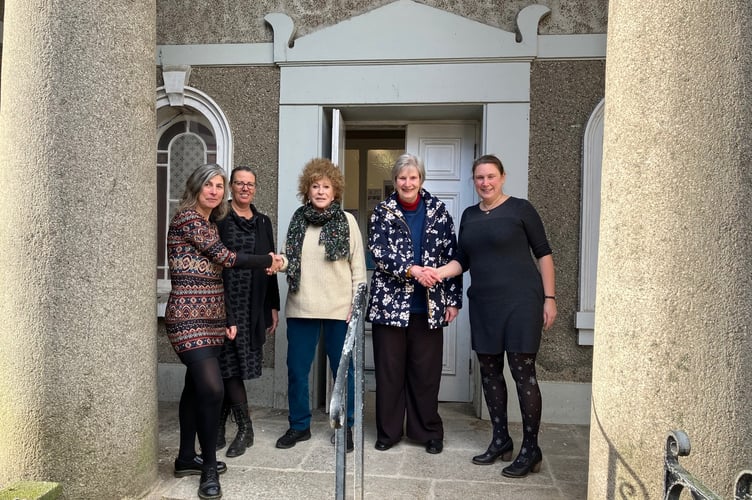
(524,464)
(244,438)
(493,453)
(209,487)
(221,442)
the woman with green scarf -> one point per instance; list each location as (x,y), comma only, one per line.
(325,265)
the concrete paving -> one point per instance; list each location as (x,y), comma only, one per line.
(307,471)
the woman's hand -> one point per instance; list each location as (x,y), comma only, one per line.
(231,332)
(277,263)
(450,313)
(275,323)
(549,313)
(426,276)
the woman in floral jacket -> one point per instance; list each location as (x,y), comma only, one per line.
(408,231)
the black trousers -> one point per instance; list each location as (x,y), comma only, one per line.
(408,365)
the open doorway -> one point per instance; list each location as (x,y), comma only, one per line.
(447,148)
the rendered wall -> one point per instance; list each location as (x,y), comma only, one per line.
(229,21)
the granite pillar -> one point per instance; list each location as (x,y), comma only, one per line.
(78,246)
(673,328)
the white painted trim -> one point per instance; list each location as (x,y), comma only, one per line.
(438,36)
(592,157)
(224,54)
(1,31)
(398,84)
(205,105)
(441,37)
(554,47)
(572,47)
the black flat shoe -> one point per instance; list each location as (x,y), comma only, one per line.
(209,487)
(493,453)
(434,446)
(524,464)
(195,467)
(382,446)
(292,437)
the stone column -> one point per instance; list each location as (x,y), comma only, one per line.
(673,330)
(78,246)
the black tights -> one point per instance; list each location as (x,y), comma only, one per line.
(200,404)
(522,366)
(235,392)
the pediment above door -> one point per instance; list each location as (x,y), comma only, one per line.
(405,31)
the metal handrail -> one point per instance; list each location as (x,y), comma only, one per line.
(677,478)
(354,349)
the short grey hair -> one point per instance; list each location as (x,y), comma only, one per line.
(407,160)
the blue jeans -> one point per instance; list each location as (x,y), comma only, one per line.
(302,338)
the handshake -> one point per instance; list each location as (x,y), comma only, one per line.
(278,262)
(426,276)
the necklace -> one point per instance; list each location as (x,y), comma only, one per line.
(487,209)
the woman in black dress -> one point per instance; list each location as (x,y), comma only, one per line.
(252,302)
(511,301)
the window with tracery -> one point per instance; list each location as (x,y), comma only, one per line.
(186,141)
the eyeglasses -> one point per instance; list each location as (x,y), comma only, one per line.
(246,185)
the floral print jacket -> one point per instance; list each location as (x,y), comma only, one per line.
(391,247)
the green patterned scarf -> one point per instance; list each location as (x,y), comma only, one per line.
(335,236)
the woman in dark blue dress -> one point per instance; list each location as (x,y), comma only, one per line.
(511,300)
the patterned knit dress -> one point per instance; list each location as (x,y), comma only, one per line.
(195,314)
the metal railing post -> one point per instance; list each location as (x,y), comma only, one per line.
(353,349)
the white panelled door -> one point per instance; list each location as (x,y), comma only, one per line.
(448,150)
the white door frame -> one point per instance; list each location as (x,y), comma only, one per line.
(351,64)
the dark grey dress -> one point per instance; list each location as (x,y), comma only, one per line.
(506,292)
(250,295)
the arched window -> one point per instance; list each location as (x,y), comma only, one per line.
(191,131)
(592,159)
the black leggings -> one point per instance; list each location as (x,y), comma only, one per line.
(200,404)
(522,366)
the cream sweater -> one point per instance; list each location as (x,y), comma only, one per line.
(327,287)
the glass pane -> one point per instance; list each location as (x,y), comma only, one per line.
(379,174)
(186,154)
(211,157)
(205,133)
(170,133)
(162,158)
(162,216)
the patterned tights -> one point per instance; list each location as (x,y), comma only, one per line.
(522,366)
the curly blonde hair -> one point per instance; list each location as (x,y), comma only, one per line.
(314,171)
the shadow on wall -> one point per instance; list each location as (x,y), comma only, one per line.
(621,477)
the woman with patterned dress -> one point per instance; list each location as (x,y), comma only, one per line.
(252,303)
(325,265)
(511,301)
(195,318)
(409,230)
